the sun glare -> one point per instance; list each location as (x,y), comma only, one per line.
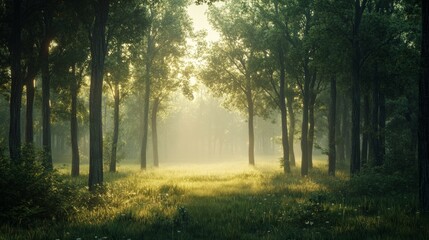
(198,14)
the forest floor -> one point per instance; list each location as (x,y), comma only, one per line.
(236,201)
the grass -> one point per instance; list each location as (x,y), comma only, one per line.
(235,201)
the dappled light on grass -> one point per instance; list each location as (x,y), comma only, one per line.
(236,201)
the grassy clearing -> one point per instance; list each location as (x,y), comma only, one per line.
(235,201)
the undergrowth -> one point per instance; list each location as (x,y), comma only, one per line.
(255,203)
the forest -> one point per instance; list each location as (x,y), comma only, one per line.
(214,119)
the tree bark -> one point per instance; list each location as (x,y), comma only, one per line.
(304,131)
(332,123)
(113,159)
(75,171)
(356,61)
(365,132)
(251,113)
(311,104)
(16,86)
(423,146)
(155,108)
(291,112)
(382,126)
(339,134)
(346,130)
(29,85)
(46,105)
(143,157)
(98,53)
(282,104)
(375,132)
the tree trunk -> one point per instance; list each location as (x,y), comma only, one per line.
(304,131)
(291,112)
(365,132)
(16,86)
(251,113)
(382,126)
(423,146)
(282,104)
(311,104)
(143,157)
(356,61)
(29,128)
(339,134)
(46,105)
(346,130)
(375,136)
(332,118)
(73,125)
(113,160)
(98,53)
(155,132)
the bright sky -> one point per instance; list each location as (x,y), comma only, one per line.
(200,22)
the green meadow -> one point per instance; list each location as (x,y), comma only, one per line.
(235,201)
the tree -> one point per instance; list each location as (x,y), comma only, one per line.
(70,65)
(44,59)
(423,147)
(332,122)
(168,23)
(356,64)
(16,86)
(275,45)
(98,52)
(126,23)
(233,65)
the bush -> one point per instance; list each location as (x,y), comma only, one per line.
(376,182)
(30,192)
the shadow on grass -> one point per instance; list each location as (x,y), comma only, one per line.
(256,205)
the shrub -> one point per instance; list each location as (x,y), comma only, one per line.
(30,192)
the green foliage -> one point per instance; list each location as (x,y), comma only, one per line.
(375,182)
(30,192)
(107,150)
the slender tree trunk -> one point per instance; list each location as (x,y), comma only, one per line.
(143,157)
(375,136)
(355,160)
(347,132)
(291,112)
(155,132)
(365,132)
(304,131)
(75,171)
(423,146)
(113,160)
(29,128)
(16,86)
(282,104)
(306,101)
(382,126)
(311,104)
(332,123)
(46,105)
(339,134)
(251,113)
(355,138)
(113,156)
(98,53)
